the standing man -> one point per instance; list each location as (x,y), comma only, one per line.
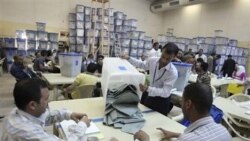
(196,104)
(201,55)
(27,121)
(210,62)
(163,75)
(155,51)
(228,66)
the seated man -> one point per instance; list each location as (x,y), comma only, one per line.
(39,62)
(20,69)
(201,69)
(82,79)
(27,121)
(196,104)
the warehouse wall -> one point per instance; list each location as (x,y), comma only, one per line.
(23,14)
(231,16)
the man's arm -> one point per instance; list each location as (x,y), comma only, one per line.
(137,63)
(165,90)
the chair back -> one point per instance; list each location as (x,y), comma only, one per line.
(86,91)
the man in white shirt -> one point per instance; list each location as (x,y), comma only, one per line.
(27,121)
(196,104)
(163,75)
(201,55)
(155,51)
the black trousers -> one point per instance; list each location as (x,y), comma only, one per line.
(159,104)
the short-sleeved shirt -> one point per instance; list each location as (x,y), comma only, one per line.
(37,62)
(83,79)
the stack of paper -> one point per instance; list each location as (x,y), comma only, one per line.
(122,109)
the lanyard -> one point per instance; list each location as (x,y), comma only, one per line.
(159,77)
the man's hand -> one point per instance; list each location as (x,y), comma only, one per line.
(77,116)
(168,134)
(125,57)
(86,120)
(141,136)
(143,88)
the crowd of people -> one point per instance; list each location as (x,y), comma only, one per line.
(31,94)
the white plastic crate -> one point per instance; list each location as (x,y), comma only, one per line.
(134,34)
(133,28)
(236,51)
(141,35)
(171,39)
(133,52)
(31,35)
(31,44)
(80,32)
(233,43)
(130,22)
(118,22)
(112,20)
(125,42)
(9,42)
(124,17)
(118,15)
(125,51)
(72,40)
(245,52)
(119,29)
(70,64)
(112,35)
(80,16)
(148,45)
(87,10)
(204,47)
(87,25)
(124,35)
(40,26)
(198,40)
(181,40)
(240,51)
(99,11)
(20,34)
(79,40)
(72,17)
(141,44)
(79,8)
(233,51)
(111,28)
(42,36)
(147,38)
(222,59)
(140,52)
(210,40)
(53,37)
(87,18)
(79,24)
(109,12)
(72,32)
(194,47)
(161,38)
(42,45)
(72,25)
(221,49)
(126,28)
(90,40)
(134,43)
(53,45)
(221,40)
(21,43)
(228,52)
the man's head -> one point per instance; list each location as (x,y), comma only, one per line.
(44,53)
(196,101)
(200,51)
(18,59)
(156,45)
(100,59)
(180,54)
(229,56)
(31,96)
(201,67)
(91,68)
(190,50)
(90,56)
(169,52)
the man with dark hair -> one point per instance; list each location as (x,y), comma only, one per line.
(228,66)
(20,69)
(163,75)
(196,104)
(201,55)
(39,63)
(155,51)
(27,121)
(99,63)
(201,69)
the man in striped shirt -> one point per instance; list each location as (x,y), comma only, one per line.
(27,121)
(196,104)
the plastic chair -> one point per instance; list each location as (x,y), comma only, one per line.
(86,91)
(241,129)
(240,97)
(176,114)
